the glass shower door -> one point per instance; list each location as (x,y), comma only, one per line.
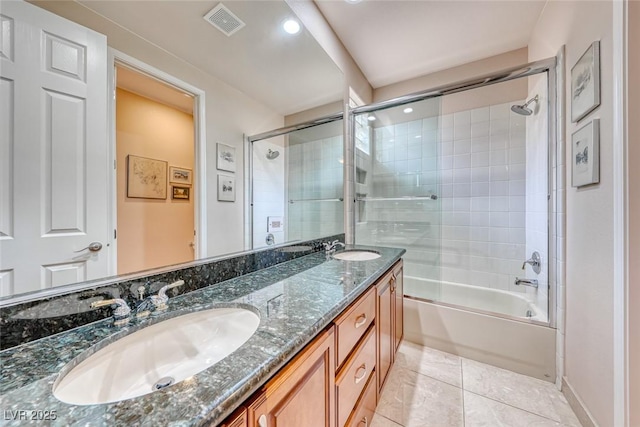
(397,186)
(297,185)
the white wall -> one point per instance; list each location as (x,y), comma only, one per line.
(229,114)
(268,189)
(634,212)
(589,222)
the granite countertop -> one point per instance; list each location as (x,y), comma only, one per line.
(295,299)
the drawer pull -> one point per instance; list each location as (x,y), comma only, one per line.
(359,378)
(361,320)
(364,421)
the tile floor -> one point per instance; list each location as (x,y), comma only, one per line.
(427,387)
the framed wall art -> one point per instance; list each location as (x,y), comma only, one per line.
(180,175)
(226,157)
(181,193)
(146,178)
(585,83)
(585,150)
(226,188)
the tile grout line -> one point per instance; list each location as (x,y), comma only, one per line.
(389,419)
(515,407)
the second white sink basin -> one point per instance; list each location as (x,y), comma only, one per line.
(356,255)
(157,356)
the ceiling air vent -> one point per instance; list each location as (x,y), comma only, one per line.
(224,20)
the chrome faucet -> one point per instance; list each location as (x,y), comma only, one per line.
(120,314)
(160,300)
(526,282)
(330,247)
(534,261)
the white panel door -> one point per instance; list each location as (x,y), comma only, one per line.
(53,150)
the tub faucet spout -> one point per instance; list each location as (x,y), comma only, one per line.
(526,282)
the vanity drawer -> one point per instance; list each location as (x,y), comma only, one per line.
(363,414)
(353,323)
(354,376)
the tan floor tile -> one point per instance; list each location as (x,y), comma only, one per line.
(483,412)
(433,363)
(415,400)
(380,421)
(527,393)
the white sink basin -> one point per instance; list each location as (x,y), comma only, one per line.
(158,355)
(356,255)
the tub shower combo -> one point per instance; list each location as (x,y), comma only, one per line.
(459,176)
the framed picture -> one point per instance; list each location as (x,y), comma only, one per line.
(226,188)
(226,158)
(585,83)
(146,178)
(180,192)
(180,175)
(585,143)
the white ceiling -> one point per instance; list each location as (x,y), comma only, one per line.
(151,88)
(288,73)
(396,40)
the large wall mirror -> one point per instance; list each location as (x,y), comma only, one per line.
(122,147)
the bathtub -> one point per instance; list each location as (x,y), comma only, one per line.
(492,326)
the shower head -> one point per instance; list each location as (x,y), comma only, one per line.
(272,154)
(524,109)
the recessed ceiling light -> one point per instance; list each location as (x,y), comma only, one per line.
(353,1)
(408,110)
(371,118)
(291,26)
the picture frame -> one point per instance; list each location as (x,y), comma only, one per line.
(585,150)
(180,193)
(179,175)
(226,156)
(226,188)
(585,83)
(146,178)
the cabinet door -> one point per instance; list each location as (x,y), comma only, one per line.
(303,393)
(398,293)
(238,419)
(385,307)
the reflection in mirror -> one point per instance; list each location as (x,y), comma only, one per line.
(297,185)
(253,80)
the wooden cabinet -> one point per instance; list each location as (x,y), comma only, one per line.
(302,393)
(389,316)
(398,295)
(384,328)
(336,380)
(353,323)
(352,379)
(238,419)
(366,407)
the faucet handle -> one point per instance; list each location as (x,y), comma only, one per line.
(121,313)
(160,300)
(162,293)
(534,261)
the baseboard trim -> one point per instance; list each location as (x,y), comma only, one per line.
(582,413)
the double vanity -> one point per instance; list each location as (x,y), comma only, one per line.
(306,342)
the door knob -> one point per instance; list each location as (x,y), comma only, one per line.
(93,247)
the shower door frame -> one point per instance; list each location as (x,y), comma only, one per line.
(548,66)
(248,161)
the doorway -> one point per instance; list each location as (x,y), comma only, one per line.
(156,146)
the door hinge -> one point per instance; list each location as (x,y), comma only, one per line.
(114,164)
(115,234)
